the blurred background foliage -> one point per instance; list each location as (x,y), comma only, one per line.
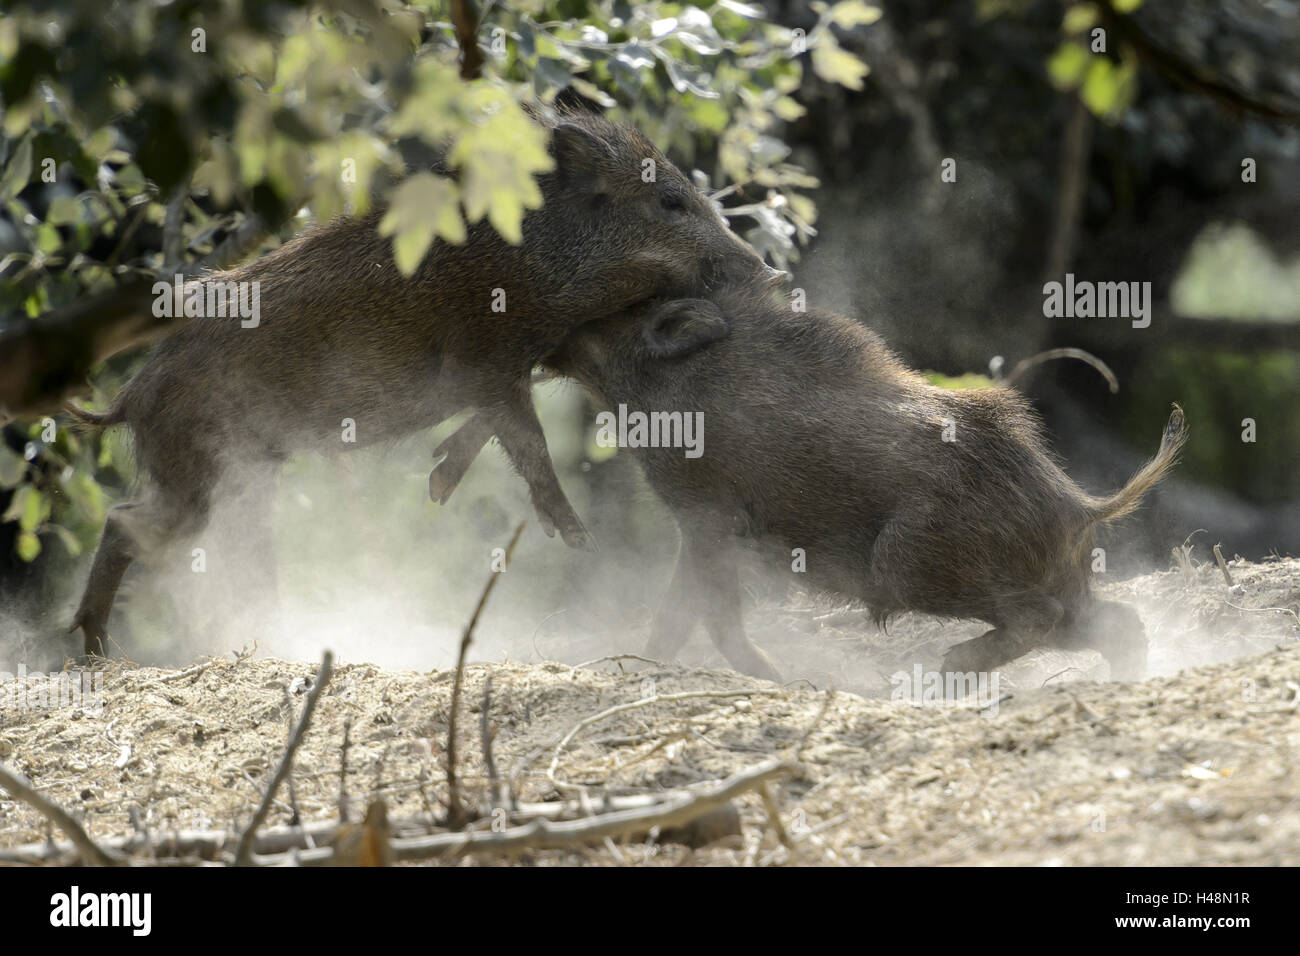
(822,128)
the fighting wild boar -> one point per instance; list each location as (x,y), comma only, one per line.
(904,496)
(343,335)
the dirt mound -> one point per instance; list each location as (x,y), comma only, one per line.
(1199,766)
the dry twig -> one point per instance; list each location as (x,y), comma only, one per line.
(457,816)
(23,789)
(543,834)
(244,854)
(1223,565)
(485,733)
(634,705)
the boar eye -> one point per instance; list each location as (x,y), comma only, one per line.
(673,202)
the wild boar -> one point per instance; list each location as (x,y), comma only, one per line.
(903,496)
(343,335)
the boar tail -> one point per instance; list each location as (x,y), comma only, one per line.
(95,419)
(1127,498)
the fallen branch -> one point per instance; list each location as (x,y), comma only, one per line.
(611,659)
(1256,610)
(22,789)
(543,834)
(196,669)
(270,841)
(634,705)
(244,854)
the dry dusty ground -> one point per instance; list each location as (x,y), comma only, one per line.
(1197,766)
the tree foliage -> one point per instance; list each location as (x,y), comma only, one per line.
(136,136)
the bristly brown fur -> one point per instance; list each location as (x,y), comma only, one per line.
(343,335)
(903,496)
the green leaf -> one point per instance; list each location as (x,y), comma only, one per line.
(18,171)
(64,210)
(423,206)
(86,494)
(835,64)
(551,75)
(12,467)
(498,160)
(70,540)
(28,507)
(28,546)
(1068,65)
(635,55)
(593,92)
(1109,88)
(1079,19)
(788,109)
(750,11)
(853,13)
(130,180)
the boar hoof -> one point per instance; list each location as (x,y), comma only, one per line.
(977,654)
(579,538)
(748,658)
(94,632)
(570,526)
(440,485)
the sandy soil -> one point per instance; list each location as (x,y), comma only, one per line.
(1051,766)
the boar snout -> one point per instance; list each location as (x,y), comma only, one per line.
(774,278)
(741,266)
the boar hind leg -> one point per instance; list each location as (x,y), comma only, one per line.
(987,652)
(116,551)
(706,587)
(520,434)
(130,528)
(1026,626)
(454,456)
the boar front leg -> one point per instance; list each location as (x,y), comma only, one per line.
(520,433)
(706,587)
(454,456)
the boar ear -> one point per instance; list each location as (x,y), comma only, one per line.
(683,326)
(570,101)
(578,155)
